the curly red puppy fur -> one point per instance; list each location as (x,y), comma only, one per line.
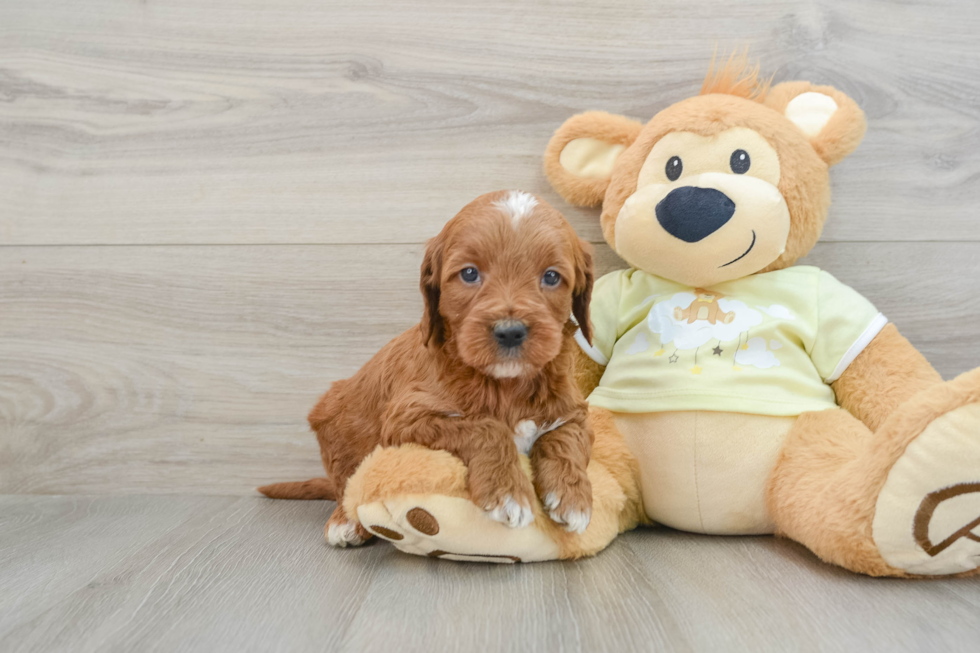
(486,374)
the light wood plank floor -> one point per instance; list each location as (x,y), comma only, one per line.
(211,210)
(216,574)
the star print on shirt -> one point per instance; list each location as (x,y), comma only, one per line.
(717,350)
(674,357)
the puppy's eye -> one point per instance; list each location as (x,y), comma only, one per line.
(740,162)
(550,278)
(469,275)
(674,168)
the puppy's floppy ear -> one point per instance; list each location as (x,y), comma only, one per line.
(581,156)
(433,327)
(582,292)
(832,121)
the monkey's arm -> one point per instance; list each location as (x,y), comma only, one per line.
(886,374)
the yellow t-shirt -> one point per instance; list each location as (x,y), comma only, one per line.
(767,344)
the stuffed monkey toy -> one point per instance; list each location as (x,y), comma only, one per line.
(730,392)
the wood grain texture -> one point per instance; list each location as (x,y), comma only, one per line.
(251,121)
(191,369)
(211,210)
(224,574)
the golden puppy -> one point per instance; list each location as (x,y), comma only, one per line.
(486,375)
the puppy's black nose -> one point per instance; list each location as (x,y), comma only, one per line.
(693,214)
(510,333)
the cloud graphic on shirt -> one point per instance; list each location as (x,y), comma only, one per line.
(777,311)
(690,336)
(639,345)
(757,355)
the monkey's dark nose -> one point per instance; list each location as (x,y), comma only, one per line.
(693,214)
(510,333)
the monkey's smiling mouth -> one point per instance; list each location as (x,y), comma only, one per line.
(744,254)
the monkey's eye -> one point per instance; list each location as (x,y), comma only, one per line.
(674,168)
(740,162)
(550,278)
(469,275)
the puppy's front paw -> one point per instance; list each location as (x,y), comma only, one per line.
(573,519)
(566,493)
(509,511)
(504,491)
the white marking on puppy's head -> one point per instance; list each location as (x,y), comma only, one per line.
(518,205)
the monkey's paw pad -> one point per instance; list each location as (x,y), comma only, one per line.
(452,528)
(927,517)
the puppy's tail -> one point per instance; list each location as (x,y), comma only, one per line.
(315,488)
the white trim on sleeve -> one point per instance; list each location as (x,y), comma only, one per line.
(591,351)
(863,341)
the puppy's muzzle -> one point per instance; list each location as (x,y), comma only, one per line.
(509,334)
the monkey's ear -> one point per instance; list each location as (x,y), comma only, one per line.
(582,154)
(832,121)
(433,327)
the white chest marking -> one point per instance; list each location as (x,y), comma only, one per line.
(526,433)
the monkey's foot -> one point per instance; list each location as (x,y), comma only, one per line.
(927,515)
(416,498)
(453,528)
